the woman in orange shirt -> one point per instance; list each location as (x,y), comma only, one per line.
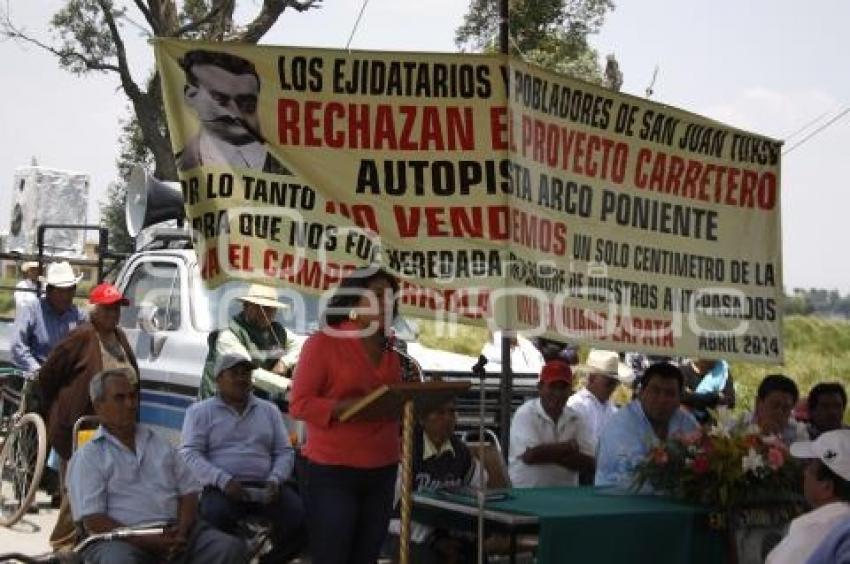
(351,466)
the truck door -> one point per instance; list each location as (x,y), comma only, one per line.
(158,326)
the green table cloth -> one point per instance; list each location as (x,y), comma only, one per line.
(601,525)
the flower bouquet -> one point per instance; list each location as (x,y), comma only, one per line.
(721,466)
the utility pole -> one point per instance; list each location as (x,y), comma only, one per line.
(506,382)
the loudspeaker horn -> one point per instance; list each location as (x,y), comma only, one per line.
(151,200)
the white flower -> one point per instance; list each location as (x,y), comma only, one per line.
(752,462)
(719,431)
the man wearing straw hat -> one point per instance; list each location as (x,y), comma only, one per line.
(253,333)
(604,373)
(43,323)
(25,290)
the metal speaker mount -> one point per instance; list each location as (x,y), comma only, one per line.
(151,200)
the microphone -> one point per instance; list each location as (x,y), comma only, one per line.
(478,368)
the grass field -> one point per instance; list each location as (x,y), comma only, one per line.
(816,350)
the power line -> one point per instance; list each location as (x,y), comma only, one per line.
(809,124)
(816,131)
(356,23)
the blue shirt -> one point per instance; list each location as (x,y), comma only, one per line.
(626,440)
(37,330)
(220,444)
(105,477)
(835,548)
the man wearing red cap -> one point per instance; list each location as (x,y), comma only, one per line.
(65,375)
(550,443)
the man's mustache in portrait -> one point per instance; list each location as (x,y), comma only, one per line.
(230,120)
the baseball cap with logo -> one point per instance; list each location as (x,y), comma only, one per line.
(556,371)
(107,294)
(832,448)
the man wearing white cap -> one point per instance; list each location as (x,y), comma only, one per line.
(593,402)
(253,333)
(25,291)
(43,323)
(238,448)
(826,485)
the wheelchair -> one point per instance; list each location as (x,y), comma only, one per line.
(255,532)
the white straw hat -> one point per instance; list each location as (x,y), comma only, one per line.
(607,363)
(263,296)
(61,275)
(28,265)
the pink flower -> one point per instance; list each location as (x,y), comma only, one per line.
(701,465)
(775,458)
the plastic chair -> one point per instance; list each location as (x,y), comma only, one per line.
(84,429)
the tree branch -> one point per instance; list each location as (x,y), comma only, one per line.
(10,31)
(143,8)
(196,25)
(130,87)
(271,11)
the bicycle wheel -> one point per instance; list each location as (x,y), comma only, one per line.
(21,465)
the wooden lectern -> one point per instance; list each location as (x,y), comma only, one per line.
(390,401)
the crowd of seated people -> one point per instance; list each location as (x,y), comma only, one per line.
(235,460)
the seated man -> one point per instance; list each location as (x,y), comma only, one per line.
(128,475)
(593,402)
(550,443)
(631,432)
(237,446)
(826,485)
(826,402)
(253,332)
(775,399)
(440,459)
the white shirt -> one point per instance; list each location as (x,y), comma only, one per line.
(23,298)
(806,533)
(215,151)
(530,427)
(593,412)
(525,358)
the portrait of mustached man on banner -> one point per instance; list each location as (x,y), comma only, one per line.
(223,91)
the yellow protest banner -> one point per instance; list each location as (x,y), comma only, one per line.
(497,192)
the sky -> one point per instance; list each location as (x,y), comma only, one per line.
(775,67)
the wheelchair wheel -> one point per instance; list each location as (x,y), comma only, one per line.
(21,465)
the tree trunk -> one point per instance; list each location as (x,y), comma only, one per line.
(146,109)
